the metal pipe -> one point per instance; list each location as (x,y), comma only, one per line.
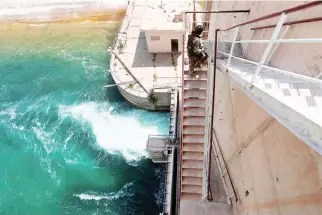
(230,180)
(122,83)
(221,11)
(284,72)
(269,47)
(300,40)
(232,46)
(221,172)
(277,45)
(251,37)
(181,117)
(128,70)
(213,104)
(287,11)
(213,89)
(209,193)
(316,19)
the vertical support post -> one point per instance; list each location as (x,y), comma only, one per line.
(269,47)
(276,46)
(206,189)
(232,47)
(220,171)
(250,38)
(319,76)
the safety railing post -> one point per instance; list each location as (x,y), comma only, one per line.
(232,46)
(269,47)
(250,38)
(277,44)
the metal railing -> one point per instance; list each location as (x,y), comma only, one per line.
(274,40)
(188,26)
(219,156)
(267,55)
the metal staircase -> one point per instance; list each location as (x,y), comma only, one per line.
(194,130)
(193,133)
(295,100)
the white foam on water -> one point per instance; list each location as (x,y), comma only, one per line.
(114,133)
(45,138)
(10,112)
(109,196)
(90,197)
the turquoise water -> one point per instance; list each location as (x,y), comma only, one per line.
(67,145)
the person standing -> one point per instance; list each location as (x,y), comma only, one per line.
(196,51)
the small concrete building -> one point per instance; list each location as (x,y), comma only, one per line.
(162,35)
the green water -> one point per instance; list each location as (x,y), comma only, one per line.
(67,145)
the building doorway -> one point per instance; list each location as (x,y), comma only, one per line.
(174,45)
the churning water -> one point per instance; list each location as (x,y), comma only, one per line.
(67,145)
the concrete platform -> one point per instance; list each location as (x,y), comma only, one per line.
(204,208)
(150,69)
(294,100)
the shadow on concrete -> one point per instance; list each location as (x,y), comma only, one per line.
(142,57)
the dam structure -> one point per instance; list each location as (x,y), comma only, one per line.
(249,122)
(146,55)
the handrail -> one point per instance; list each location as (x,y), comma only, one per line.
(272,15)
(181,124)
(290,23)
(176,114)
(221,11)
(118,32)
(182,96)
(265,55)
(226,167)
(128,70)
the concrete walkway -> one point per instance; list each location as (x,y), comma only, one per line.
(204,208)
(150,69)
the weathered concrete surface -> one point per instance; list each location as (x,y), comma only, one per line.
(216,183)
(204,208)
(149,68)
(301,58)
(272,170)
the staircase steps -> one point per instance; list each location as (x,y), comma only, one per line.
(193,138)
(190,120)
(193,132)
(194,111)
(194,129)
(188,155)
(192,180)
(190,196)
(193,164)
(195,84)
(195,93)
(203,68)
(193,147)
(192,189)
(202,75)
(192,172)
(192,103)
